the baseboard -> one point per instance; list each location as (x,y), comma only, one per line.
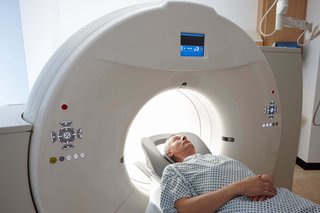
(307,166)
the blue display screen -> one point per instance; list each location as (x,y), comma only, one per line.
(192,44)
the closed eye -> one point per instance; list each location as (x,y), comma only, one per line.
(177,138)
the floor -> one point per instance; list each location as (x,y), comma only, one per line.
(307,183)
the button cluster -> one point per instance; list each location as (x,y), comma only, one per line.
(66,135)
(268,125)
(69,157)
(271,110)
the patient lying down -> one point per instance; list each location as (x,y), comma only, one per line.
(210,183)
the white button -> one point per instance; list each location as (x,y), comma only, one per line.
(75,156)
(263,125)
(69,157)
(82,154)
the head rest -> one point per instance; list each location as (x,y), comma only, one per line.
(156,161)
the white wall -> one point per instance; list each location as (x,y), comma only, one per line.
(243,13)
(47,24)
(309,147)
(13,75)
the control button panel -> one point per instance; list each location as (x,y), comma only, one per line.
(66,158)
(66,135)
(268,125)
(271,110)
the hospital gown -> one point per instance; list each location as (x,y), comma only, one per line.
(199,174)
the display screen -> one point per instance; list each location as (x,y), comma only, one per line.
(192,44)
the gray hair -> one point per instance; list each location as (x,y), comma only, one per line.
(166,144)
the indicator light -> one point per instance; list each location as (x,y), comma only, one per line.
(64,106)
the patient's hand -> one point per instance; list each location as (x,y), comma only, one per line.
(262,198)
(258,188)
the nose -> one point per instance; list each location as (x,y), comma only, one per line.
(183,138)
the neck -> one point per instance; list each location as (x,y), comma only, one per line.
(182,157)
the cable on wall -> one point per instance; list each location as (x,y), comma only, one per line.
(264,17)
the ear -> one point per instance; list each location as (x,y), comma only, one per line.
(170,154)
(170,159)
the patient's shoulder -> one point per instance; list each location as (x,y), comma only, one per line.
(170,168)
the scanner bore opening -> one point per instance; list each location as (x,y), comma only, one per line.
(178,110)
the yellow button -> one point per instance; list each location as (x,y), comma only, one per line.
(52,160)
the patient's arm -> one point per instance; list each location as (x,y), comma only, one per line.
(212,201)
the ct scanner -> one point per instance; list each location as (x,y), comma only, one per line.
(63,150)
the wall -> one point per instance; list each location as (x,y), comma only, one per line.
(13,76)
(309,146)
(47,24)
